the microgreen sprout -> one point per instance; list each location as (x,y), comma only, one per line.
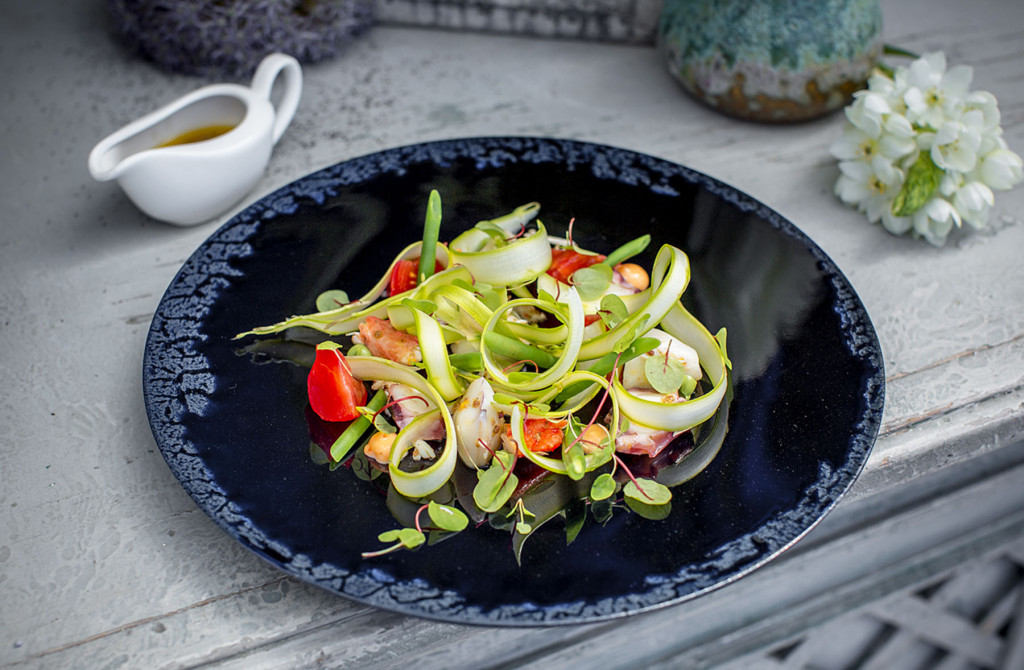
(516,366)
(496,484)
(612,311)
(667,375)
(592,281)
(603,486)
(644,490)
(331,299)
(443,517)
(522,526)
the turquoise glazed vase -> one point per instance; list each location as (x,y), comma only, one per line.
(771,60)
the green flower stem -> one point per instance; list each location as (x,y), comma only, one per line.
(892,50)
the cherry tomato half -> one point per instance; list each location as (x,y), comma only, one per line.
(334,394)
(566,261)
(403,276)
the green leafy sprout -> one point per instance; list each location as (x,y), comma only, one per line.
(443,517)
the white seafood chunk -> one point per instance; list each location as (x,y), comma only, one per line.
(477,420)
(633,375)
(408,403)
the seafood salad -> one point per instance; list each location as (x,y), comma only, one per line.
(475,371)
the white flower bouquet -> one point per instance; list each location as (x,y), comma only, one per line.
(921,153)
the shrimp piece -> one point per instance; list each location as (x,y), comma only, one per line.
(378,447)
(385,341)
(477,421)
(542,436)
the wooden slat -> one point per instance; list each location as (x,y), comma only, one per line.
(1013,654)
(945,630)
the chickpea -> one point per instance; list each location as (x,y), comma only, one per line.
(635,275)
(379,447)
(593,437)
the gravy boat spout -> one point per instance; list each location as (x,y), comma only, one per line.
(198,156)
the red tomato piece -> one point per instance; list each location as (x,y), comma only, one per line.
(404,275)
(542,435)
(566,261)
(334,394)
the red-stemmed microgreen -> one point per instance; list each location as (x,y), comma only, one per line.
(522,231)
(377,417)
(644,490)
(516,366)
(591,282)
(496,484)
(443,517)
(667,374)
(331,299)
(399,401)
(612,311)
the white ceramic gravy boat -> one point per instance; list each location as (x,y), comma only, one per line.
(196,180)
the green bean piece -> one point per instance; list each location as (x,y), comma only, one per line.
(518,351)
(431,230)
(472,362)
(351,435)
(358,350)
(627,250)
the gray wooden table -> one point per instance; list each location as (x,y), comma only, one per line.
(106,562)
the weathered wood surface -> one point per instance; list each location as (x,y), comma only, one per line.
(106,562)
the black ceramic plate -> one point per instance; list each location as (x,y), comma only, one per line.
(805,410)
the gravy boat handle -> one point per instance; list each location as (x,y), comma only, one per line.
(263,82)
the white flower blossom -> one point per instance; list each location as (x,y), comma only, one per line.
(984,102)
(921,153)
(855,144)
(1001,169)
(869,186)
(956,143)
(867,112)
(933,94)
(972,202)
(935,220)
